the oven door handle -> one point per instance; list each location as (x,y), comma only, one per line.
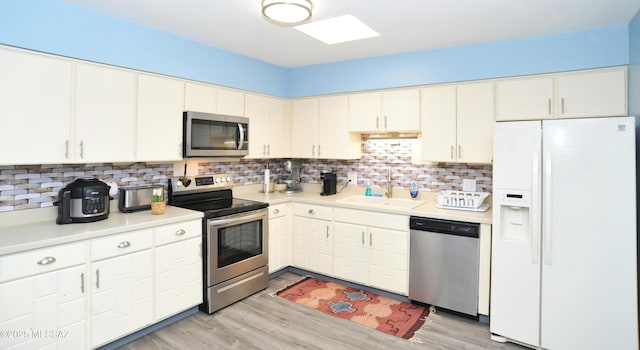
(238,219)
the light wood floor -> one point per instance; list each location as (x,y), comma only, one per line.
(266,322)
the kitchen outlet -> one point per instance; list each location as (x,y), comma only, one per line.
(469,185)
(352,177)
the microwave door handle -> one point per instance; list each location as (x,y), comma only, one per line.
(241,137)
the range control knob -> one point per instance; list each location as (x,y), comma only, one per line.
(228,178)
(222,179)
(217,180)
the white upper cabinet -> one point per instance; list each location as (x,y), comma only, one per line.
(457,123)
(304,128)
(35,108)
(523,99)
(105,108)
(581,94)
(593,94)
(319,129)
(392,110)
(230,102)
(159,127)
(334,140)
(267,128)
(200,98)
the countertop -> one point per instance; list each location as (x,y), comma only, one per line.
(311,194)
(36,228)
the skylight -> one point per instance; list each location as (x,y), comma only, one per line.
(338,30)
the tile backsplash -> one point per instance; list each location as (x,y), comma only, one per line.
(35,186)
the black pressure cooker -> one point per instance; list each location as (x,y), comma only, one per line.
(83,200)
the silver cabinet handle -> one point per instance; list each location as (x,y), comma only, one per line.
(124,244)
(180,232)
(98,278)
(385,122)
(313,150)
(452,148)
(276,211)
(362,237)
(47,260)
(82,283)
(319,150)
(377,122)
(66,149)
(81,149)
(562,105)
(264,150)
(549,106)
(268,149)
(370,239)
(459,152)
(327,232)
(311,211)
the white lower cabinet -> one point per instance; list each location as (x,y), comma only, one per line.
(43,299)
(372,249)
(121,285)
(178,268)
(313,236)
(279,246)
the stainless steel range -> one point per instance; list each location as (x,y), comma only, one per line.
(235,238)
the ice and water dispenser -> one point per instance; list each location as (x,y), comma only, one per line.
(515,215)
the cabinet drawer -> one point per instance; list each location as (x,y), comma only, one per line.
(120,244)
(178,232)
(314,211)
(41,260)
(278,210)
(372,219)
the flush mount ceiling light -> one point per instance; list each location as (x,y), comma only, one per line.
(287,12)
(338,30)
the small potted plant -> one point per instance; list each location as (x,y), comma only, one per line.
(158,204)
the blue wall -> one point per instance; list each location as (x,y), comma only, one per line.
(634,65)
(57,27)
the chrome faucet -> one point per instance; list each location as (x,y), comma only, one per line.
(388,194)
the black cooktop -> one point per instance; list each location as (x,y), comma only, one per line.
(215,203)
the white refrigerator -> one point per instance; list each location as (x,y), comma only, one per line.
(563,269)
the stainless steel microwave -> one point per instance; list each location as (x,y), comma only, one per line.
(214,135)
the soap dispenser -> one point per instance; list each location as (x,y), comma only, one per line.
(367,191)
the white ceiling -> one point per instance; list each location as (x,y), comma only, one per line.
(404,25)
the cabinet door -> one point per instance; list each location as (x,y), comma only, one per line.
(200,98)
(323,235)
(524,99)
(438,123)
(105,114)
(121,296)
(389,260)
(475,123)
(178,277)
(334,141)
(277,136)
(304,243)
(35,108)
(593,94)
(159,128)
(230,102)
(278,237)
(255,109)
(304,128)
(401,110)
(351,252)
(51,306)
(364,112)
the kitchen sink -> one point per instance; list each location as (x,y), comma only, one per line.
(382,202)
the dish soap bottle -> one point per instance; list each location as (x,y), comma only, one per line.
(367,191)
(414,190)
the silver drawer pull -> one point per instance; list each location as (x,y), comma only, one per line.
(311,211)
(46,261)
(124,244)
(276,211)
(180,232)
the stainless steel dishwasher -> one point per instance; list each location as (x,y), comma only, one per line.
(444,260)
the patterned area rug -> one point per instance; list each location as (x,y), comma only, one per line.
(382,313)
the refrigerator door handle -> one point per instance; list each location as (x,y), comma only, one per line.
(546,238)
(534,211)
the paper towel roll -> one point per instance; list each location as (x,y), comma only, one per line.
(267,176)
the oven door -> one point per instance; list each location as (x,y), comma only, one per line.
(236,244)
